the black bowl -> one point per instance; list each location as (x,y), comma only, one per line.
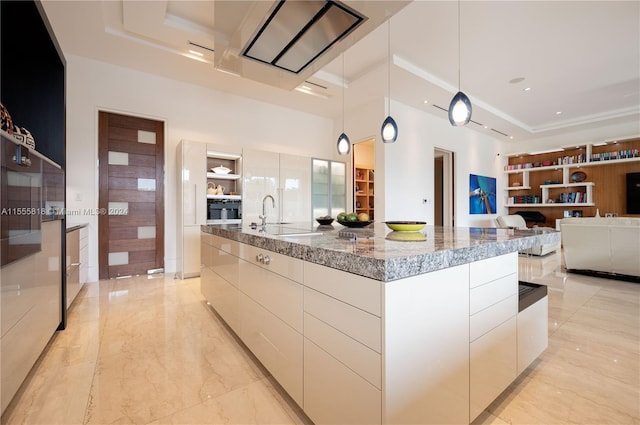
(355,223)
(324,221)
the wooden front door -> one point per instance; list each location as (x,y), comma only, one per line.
(131,199)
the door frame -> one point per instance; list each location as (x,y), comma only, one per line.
(448,184)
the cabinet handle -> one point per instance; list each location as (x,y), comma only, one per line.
(72,268)
(267,259)
(260,258)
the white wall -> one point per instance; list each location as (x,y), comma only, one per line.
(404,169)
(189,112)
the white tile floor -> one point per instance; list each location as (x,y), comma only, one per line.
(142,350)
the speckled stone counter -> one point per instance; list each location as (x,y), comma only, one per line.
(378,253)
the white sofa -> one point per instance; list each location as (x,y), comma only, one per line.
(609,245)
(515,221)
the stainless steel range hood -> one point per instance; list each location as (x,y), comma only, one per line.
(283,42)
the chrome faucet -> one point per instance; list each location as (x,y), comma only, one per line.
(264,212)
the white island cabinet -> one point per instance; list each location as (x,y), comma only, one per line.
(431,347)
(261,300)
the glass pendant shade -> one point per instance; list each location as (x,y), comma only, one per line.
(389,130)
(460,109)
(344,144)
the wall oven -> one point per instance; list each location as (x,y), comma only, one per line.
(224,211)
(31,191)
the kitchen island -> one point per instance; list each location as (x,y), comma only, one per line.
(373,326)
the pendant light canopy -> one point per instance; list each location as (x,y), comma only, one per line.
(460,106)
(344,144)
(389,129)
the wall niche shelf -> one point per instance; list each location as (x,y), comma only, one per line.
(218,176)
(364,190)
(551,188)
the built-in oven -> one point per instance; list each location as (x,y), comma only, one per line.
(20,201)
(221,211)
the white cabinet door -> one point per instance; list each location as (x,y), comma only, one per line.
(334,394)
(329,187)
(492,365)
(285,177)
(260,178)
(194,182)
(277,345)
(190,252)
(533,333)
(192,206)
(426,348)
(294,188)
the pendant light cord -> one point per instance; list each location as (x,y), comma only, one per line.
(343,92)
(389,66)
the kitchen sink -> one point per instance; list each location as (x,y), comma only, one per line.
(279,230)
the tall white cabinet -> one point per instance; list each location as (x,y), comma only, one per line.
(285,177)
(192,206)
(192,200)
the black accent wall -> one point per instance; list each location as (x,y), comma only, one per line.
(32,76)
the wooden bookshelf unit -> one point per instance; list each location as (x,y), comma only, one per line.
(553,182)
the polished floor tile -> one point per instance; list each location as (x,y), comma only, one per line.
(149,351)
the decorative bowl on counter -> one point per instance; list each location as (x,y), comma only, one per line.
(324,221)
(405,226)
(221,170)
(355,223)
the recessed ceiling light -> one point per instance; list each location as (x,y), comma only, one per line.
(516,80)
(559,113)
(425,102)
(486,126)
(527,89)
(510,137)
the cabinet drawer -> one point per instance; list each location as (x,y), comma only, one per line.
(334,394)
(533,332)
(279,295)
(492,365)
(222,296)
(226,265)
(275,344)
(357,357)
(359,291)
(206,238)
(491,293)
(357,324)
(206,252)
(288,267)
(484,271)
(227,245)
(489,318)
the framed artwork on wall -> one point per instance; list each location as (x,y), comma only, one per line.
(482,194)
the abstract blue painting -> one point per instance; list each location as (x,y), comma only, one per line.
(482,194)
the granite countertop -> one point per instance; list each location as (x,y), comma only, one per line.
(378,253)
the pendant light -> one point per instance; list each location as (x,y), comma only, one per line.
(460,106)
(389,129)
(344,144)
